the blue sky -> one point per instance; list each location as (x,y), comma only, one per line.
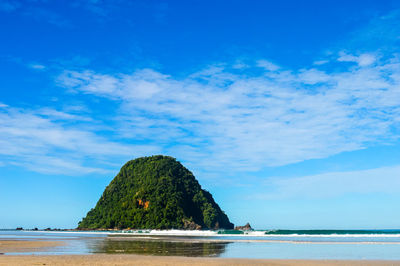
(289,112)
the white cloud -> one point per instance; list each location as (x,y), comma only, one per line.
(239,65)
(379,180)
(313,76)
(321,62)
(362,60)
(37,66)
(267,65)
(60,115)
(51,141)
(247,122)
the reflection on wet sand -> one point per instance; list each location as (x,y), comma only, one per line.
(166,247)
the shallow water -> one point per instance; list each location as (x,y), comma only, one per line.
(268,247)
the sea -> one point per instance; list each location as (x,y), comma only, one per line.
(260,244)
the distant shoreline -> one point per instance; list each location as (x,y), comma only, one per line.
(389,233)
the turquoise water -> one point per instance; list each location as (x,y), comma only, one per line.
(333,232)
(299,245)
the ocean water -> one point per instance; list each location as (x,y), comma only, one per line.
(295,244)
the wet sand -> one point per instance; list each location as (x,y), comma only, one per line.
(12,245)
(104,259)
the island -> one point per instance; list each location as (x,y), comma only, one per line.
(155,192)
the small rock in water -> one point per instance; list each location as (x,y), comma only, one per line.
(246,227)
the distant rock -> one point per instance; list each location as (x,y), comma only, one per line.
(246,227)
(19,228)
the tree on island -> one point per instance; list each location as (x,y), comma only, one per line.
(155,192)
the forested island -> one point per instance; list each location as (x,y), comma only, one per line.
(155,192)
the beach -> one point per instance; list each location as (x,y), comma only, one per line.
(28,246)
(103,259)
(14,245)
(97,248)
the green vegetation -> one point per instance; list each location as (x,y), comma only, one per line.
(155,192)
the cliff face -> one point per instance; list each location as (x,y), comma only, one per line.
(155,192)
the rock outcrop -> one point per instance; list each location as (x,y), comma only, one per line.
(246,227)
(155,192)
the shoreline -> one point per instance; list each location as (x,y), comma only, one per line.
(207,234)
(213,233)
(128,259)
(29,251)
(222,240)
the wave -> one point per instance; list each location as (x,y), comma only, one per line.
(324,232)
(268,234)
(265,233)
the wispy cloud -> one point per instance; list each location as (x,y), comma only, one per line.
(267,65)
(379,180)
(361,60)
(51,141)
(37,66)
(321,62)
(241,116)
(246,121)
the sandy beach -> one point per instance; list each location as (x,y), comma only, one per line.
(10,246)
(13,245)
(158,260)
